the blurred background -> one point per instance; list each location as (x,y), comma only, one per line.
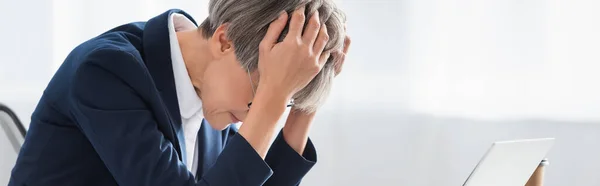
(427,87)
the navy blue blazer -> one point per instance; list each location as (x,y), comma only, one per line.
(110,116)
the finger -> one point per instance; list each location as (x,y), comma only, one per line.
(311,31)
(321,41)
(347,42)
(323,58)
(296,24)
(274,31)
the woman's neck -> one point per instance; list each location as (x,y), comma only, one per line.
(196,55)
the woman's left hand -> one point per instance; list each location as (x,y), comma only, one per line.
(298,122)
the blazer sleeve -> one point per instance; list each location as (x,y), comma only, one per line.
(123,131)
(288,166)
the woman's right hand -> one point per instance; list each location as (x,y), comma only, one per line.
(284,69)
(288,66)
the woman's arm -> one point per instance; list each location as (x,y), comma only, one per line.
(296,129)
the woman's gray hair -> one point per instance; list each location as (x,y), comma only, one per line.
(248,21)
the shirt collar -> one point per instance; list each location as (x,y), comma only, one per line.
(189,102)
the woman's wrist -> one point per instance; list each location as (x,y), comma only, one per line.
(267,96)
(261,121)
(297,126)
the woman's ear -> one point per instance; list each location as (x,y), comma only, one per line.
(220,44)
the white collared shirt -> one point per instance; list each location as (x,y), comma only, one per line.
(190,105)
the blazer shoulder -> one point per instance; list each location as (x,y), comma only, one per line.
(115,43)
(107,54)
(106,74)
(113,59)
(124,39)
(109,59)
(112,51)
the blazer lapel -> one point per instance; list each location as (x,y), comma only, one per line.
(157,56)
(209,147)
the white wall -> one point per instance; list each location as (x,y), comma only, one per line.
(427,87)
(25,53)
(505,59)
(25,63)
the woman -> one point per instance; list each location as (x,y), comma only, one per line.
(151,103)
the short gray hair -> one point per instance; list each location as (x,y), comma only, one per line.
(248,23)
